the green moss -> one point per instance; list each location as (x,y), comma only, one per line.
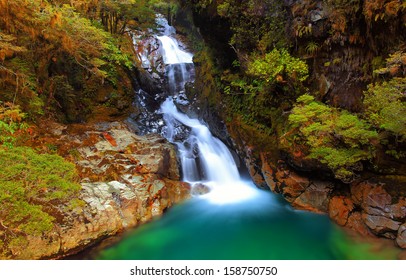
(32,184)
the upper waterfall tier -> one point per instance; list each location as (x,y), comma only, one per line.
(172,54)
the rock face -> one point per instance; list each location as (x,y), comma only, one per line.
(373,207)
(126,180)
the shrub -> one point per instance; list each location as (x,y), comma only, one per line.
(335,137)
(385,106)
(278,63)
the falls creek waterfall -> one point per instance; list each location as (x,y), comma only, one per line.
(234,220)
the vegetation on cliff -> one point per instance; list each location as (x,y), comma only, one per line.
(59,59)
(59,56)
(35,188)
(311,77)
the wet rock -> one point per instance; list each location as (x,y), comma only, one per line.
(200,189)
(316,15)
(375,200)
(57,129)
(324,85)
(340,208)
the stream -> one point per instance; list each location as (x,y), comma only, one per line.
(228,217)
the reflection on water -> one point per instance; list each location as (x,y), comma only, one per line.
(265,228)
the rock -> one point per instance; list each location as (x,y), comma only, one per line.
(268,174)
(376,199)
(126,180)
(340,208)
(294,186)
(315,198)
(255,172)
(200,189)
(324,85)
(316,15)
(57,129)
(380,213)
(359,191)
(401,238)
(380,224)
(398,210)
(356,223)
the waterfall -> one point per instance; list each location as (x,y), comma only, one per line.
(205,160)
(179,64)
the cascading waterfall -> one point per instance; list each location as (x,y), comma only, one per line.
(205,159)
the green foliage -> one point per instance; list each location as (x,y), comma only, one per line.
(335,137)
(265,71)
(385,106)
(32,188)
(255,95)
(395,65)
(312,48)
(11,124)
(278,62)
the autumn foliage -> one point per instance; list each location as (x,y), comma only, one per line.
(55,54)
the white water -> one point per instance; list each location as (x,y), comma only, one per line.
(172,54)
(218,170)
(204,158)
(176,61)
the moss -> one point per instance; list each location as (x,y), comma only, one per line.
(31,185)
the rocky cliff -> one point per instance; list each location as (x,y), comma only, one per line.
(126,180)
(345,45)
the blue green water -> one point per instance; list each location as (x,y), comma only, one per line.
(261,228)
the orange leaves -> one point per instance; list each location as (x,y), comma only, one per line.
(19,16)
(339,22)
(7,46)
(56,19)
(10,113)
(110,139)
(382,9)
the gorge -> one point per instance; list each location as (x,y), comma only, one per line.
(229,217)
(254,130)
